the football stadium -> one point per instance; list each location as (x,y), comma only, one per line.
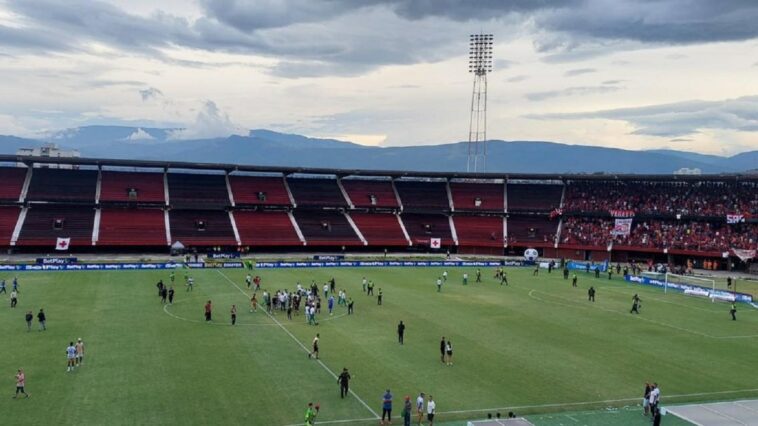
(562,295)
(270,213)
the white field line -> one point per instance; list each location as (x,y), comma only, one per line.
(683,417)
(573,304)
(376,416)
(719,413)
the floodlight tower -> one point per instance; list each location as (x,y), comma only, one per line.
(479,64)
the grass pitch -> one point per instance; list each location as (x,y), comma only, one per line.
(537,345)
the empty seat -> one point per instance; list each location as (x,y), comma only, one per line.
(44,224)
(478,196)
(326,228)
(316,192)
(380,229)
(266,228)
(12,179)
(259,190)
(370,193)
(201,227)
(132,187)
(423,195)
(534,197)
(132,227)
(423,227)
(63,185)
(197,191)
(8,219)
(481,231)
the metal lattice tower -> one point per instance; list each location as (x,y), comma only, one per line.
(479,64)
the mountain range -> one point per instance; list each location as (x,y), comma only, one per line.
(269,148)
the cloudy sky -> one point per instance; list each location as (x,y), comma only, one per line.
(637,74)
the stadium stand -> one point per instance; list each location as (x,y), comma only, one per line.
(533,197)
(259,190)
(479,231)
(316,192)
(132,227)
(197,191)
(423,195)
(370,193)
(584,231)
(8,219)
(44,224)
(422,227)
(538,231)
(326,228)
(12,179)
(478,196)
(132,187)
(380,229)
(268,228)
(201,228)
(63,185)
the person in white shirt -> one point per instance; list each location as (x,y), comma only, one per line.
(444,276)
(420,407)
(430,408)
(439,285)
(71,357)
(654,397)
(326,291)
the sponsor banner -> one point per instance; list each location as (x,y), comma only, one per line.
(111,266)
(55,260)
(622,227)
(230,255)
(329,258)
(390,263)
(734,218)
(582,266)
(693,289)
(621,213)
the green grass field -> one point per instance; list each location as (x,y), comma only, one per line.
(534,347)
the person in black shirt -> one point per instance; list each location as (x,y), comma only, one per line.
(573,280)
(400,332)
(41,318)
(591,294)
(160,287)
(443,346)
(610,273)
(344,381)
(657,417)
(565,273)
(728,282)
(164,295)
(635,304)
(171,295)
(350,306)
(29,317)
(332,284)
(597,271)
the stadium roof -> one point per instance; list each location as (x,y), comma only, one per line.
(101,162)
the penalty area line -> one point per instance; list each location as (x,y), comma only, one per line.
(329,370)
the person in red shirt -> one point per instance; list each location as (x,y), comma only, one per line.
(208,309)
(20,383)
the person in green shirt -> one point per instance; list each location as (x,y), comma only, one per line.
(310,414)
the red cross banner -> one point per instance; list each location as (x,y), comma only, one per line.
(63,243)
(435,243)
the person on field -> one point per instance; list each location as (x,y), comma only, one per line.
(21,383)
(407,408)
(387,407)
(70,357)
(159,285)
(503,278)
(330,304)
(591,294)
(420,407)
(171,295)
(344,381)
(733,312)
(574,280)
(444,276)
(2,286)
(233,313)
(314,352)
(208,311)
(439,285)
(379,298)
(646,400)
(350,306)
(164,295)
(449,352)
(42,318)
(79,351)
(431,408)
(635,304)
(400,332)
(310,414)
(443,347)
(29,318)
(478,275)
(14,298)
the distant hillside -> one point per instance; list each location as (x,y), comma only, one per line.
(265,147)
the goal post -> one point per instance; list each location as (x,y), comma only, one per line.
(689,280)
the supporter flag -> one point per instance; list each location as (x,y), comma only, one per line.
(62,243)
(622,227)
(621,213)
(734,218)
(744,254)
(435,243)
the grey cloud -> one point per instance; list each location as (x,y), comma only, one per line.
(571,91)
(517,78)
(677,140)
(111,83)
(613,82)
(150,93)
(677,119)
(579,71)
(501,64)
